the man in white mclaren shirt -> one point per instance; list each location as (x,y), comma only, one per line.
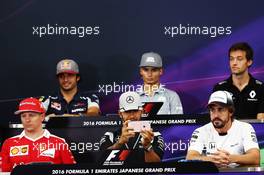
(224,141)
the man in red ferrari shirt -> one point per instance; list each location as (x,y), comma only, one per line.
(34,144)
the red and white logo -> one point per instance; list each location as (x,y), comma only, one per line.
(55,105)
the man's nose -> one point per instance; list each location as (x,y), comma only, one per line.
(149,72)
(235,61)
(65,78)
(215,113)
(27,118)
(131,115)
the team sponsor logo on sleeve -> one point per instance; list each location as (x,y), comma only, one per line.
(18,150)
(194,136)
(193,139)
(55,105)
(254,137)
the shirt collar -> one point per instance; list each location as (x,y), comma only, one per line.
(75,97)
(46,134)
(251,80)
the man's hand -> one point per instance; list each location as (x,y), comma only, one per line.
(147,136)
(126,134)
(220,158)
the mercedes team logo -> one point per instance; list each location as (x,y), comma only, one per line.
(130,99)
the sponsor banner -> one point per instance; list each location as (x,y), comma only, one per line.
(151,168)
(84,141)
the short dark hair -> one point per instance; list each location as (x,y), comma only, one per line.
(244,47)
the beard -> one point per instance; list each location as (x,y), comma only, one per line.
(218,123)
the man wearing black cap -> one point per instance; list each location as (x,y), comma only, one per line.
(152,90)
(69,101)
(248,92)
(224,141)
(34,144)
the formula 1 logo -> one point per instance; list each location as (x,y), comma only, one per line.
(116,157)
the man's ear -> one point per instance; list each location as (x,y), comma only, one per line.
(249,62)
(120,115)
(141,112)
(78,78)
(43,117)
(140,72)
(161,71)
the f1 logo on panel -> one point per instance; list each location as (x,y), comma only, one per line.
(116,157)
(112,155)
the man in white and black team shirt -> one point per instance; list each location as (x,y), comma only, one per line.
(224,141)
(248,92)
(125,138)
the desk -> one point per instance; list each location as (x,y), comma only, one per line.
(203,168)
(83,133)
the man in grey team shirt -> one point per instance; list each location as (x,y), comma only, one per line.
(152,90)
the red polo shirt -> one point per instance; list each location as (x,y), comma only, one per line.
(21,149)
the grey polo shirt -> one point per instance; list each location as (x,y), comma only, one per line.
(171,100)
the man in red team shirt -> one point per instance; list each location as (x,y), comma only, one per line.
(34,144)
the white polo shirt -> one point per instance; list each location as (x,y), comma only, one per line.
(240,138)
